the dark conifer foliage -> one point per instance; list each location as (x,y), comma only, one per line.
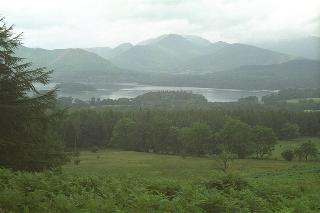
(27,140)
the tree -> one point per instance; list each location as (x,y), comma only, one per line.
(249,99)
(309,149)
(224,159)
(298,153)
(124,134)
(264,140)
(287,155)
(238,138)
(196,138)
(290,131)
(28,117)
(161,135)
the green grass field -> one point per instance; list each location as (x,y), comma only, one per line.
(124,181)
(171,166)
(291,144)
(273,173)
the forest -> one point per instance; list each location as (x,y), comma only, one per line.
(194,132)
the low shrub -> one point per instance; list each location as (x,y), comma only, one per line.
(54,192)
(288,155)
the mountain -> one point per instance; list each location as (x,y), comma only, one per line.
(197,40)
(174,54)
(68,63)
(308,47)
(120,49)
(101,51)
(165,53)
(107,52)
(177,45)
(175,60)
(232,56)
(298,73)
(145,58)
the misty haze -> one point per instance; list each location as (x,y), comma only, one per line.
(160,106)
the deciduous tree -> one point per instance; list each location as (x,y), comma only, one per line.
(264,141)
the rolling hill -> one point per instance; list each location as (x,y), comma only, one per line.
(146,59)
(233,56)
(76,64)
(298,73)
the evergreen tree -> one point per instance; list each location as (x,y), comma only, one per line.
(27,116)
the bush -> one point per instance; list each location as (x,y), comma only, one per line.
(168,189)
(226,182)
(76,161)
(94,149)
(51,192)
(288,155)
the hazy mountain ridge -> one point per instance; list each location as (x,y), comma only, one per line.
(68,63)
(165,53)
(232,56)
(160,54)
(174,53)
(308,47)
(179,61)
(107,52)
(298,73)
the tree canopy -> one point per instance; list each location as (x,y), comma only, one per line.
(27,115)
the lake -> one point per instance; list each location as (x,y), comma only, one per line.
(132,90)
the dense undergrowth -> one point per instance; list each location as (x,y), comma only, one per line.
(292,190)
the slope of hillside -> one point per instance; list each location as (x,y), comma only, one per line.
(68,63)
(104,52)
(232,56)
(165,53)
(107,52)
(308,47)
(299,73)
(192,54)
(179,46)
(197,40)
(145,58)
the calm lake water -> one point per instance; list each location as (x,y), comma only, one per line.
(133,90)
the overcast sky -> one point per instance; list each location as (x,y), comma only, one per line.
(88,23)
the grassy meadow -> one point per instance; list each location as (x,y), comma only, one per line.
(127,181)
(291,144)
(172,166)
